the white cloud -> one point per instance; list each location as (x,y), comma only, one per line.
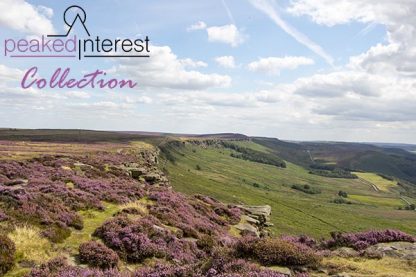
(138,100)
(274,65)
(397,56)
(165,70)
(228,34)
(46,11)
(200,25)
(8,74)
(331,13)
(226,61)
(193,64)
(268,7)
(387,70)
(78,94)
(24,17)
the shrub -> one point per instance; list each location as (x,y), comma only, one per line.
(198,167)
(335,173)
(97,254)
(138,239)
(341,200)
(254,155)
(51,268)
(306,189)
(302,241)
(3,216)
(7,252)
(343,194)
(206,243)
(410,207)
(284,253)
(244,247)
(58,267)
(56,234)
(161,270)
(360,241)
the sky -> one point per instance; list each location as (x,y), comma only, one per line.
(296,70)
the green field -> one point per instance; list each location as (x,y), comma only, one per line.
(212,171)
(378,201)
(380,182)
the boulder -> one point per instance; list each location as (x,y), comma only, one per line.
(256,219)
(265,210)
(401,250)
(16,182)
(283,270)
(247,227)
(345,252)
(83,166)
(137,172)
(250,220)
(152,178)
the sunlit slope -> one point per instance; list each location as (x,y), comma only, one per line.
(211,170)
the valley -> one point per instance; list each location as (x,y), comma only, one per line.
(89,203)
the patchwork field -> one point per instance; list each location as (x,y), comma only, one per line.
(212,171)
(381,183)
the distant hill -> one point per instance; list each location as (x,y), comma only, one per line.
(395,160)
(383,159)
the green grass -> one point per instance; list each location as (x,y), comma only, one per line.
(232,180)
(30,246)
(253,146)
(378,201)
(92,220)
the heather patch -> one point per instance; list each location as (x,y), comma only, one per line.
(360,241)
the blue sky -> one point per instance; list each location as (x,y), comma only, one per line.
(299,70)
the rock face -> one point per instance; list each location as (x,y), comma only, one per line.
(136,172)
(146,169)
(255,220)
(346,252)
(401,250)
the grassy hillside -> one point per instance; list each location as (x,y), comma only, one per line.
(377,158)
(212,171)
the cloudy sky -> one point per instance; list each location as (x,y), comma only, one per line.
(293,69)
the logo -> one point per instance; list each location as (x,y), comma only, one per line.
(67,46)
(82,17)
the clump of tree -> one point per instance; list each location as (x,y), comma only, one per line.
(319,166)
(336,173)
(248,154)
(341,200)
(389,178)
(343,194)
(256,185)
(307,189)
(411,207)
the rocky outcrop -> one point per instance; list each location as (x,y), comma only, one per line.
(346,252)
(255,220)
(136,172)
(400,250)
(16,182)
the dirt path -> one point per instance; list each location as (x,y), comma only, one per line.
(370,184)
(405,200)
